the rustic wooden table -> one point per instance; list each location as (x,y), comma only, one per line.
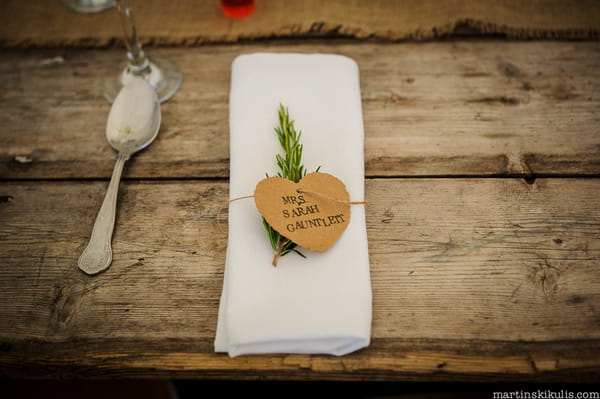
(482,166)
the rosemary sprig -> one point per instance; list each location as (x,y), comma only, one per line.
(290,167)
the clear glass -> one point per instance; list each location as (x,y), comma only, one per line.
(161,73)
(89,6)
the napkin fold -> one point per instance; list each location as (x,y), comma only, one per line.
(321,304)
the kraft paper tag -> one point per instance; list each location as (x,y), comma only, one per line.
(313,213)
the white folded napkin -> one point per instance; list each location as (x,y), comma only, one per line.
(321,304)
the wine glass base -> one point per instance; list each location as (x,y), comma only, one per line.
(89,6)
(163,75)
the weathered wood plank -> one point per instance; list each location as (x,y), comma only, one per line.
(472,279)
(186,22)
(466,108)
(385,360)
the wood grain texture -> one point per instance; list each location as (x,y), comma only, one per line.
(452,108)
(190,22)
(473,279)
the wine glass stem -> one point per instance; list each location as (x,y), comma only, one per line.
(138,63)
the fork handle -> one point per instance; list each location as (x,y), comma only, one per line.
(97,256)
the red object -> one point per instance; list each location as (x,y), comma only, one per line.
(237,8)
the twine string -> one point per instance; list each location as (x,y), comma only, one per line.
(223,206)
(300,190)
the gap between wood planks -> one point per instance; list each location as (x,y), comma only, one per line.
(529,178)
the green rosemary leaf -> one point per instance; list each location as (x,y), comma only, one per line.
(299,253)
(291,168)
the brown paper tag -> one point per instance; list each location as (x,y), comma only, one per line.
(313,213)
